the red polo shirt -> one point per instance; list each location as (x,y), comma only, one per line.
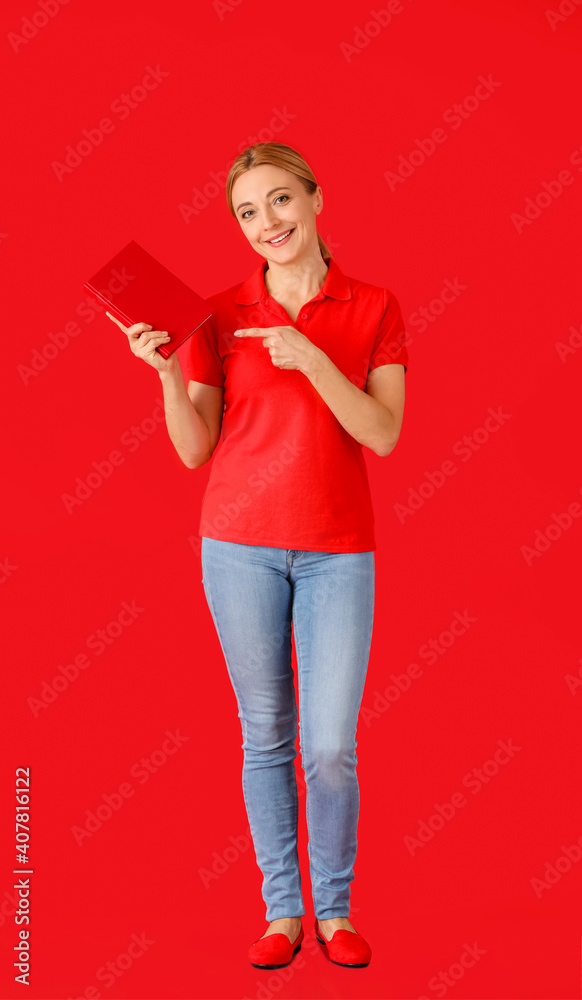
(285,473)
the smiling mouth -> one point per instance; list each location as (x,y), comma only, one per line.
(280,239)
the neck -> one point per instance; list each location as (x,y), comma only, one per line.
(301,279)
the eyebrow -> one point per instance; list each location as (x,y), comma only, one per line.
(268,195)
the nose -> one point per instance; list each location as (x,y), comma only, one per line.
(269,218)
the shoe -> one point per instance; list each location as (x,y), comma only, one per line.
(274,951)
(346,947)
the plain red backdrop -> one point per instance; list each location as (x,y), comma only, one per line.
(356,90)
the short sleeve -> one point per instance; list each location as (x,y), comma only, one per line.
(202,359)
(389,346)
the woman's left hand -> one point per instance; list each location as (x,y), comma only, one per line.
(287,346)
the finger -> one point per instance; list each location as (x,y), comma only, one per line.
(138,328)
(160,337)
(120,325)
(254,332)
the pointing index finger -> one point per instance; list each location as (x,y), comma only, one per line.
(254,331)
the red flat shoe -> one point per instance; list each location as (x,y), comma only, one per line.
(274,951)
(346,948)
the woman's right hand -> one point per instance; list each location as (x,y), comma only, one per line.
(143,341)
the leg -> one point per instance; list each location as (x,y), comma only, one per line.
(333,608)
(250,601)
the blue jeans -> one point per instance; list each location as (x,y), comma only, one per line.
(254,593)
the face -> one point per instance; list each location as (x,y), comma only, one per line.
(269,201)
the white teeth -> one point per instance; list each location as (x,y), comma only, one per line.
(278,240)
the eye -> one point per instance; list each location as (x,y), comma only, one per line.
(276,200)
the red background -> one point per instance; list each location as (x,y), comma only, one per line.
(509,677)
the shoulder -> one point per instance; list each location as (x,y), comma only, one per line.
(373,300)
(368,293)
(225,308)
(224,297)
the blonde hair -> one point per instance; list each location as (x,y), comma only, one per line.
(276,154)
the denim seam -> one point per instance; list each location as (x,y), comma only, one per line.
(313,870)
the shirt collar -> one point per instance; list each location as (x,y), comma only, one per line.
(336,285)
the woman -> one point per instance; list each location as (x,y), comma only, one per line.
(298,367)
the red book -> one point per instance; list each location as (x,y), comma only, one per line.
(136,288)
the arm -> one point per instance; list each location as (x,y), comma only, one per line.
(193,436)
(193,415)
(373,417)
